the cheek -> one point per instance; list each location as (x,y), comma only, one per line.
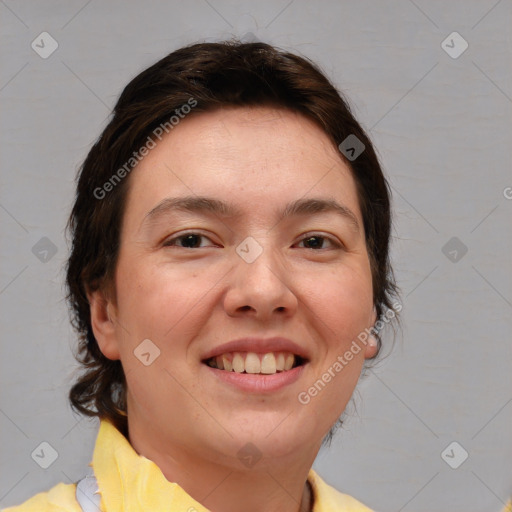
(344,305)
(155,297)
(343,301)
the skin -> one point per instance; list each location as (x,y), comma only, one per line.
(188,300)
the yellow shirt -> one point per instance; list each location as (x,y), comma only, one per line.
(129,482)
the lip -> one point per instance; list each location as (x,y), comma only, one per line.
(252,383)
(258,346)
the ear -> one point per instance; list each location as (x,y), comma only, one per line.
(371,343)
(103,324)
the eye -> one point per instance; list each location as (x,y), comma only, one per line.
(316,242)
(187,241)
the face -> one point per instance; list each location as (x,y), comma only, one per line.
(242,238)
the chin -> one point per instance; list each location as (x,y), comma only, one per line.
(278,435)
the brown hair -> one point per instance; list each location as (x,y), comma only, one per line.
(214,75)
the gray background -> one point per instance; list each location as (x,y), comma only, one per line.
(443,129)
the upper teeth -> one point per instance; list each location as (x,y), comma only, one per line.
(250,362)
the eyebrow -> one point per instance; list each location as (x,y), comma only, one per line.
(209,205)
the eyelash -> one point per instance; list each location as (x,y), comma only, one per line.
(334,242)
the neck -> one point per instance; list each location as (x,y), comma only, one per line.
(270,484)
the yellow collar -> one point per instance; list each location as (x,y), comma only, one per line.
(129,482)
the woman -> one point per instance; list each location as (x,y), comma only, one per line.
(228,269)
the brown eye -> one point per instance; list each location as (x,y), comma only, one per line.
(187,241)
(317,242)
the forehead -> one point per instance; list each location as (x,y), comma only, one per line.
(253,133)
(258,154)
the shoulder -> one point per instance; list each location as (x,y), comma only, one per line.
(329,499)
(60,498)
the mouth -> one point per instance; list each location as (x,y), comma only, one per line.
(269,363)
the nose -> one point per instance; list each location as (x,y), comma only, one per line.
(261,289)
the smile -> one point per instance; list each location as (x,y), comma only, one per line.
(257,383)
(250,362)
(257,365)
